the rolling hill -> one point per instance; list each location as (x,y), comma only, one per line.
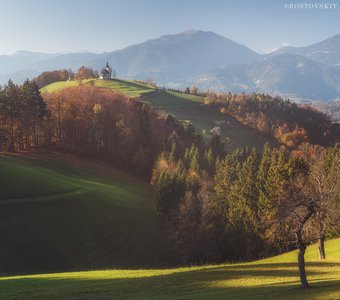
(274,278)
(129,88)
(190,108)
(184,107)
(60,213)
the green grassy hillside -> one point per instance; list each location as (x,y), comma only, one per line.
(129,88)
(190,108)
(274,278)
(185,107)
(61,213)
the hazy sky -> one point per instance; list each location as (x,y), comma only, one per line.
(106,25)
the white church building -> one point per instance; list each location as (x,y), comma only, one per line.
(106,73)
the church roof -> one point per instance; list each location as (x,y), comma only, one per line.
(106,72)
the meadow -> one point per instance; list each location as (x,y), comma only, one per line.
(85,230)
(273,278)
(61,213)
(80,229)
(129,88)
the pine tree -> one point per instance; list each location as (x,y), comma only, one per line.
(194,162)
(173,151)
(145,127)
(34,109)
(217,146)
(224,178)
(191,131)
(12,109)
(208,155)
(273,178)
(244,195)
(262,177)
(169,189)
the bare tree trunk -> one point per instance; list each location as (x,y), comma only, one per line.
(10,147)
(59,122)
(321,248)
(301,260)
(34,134)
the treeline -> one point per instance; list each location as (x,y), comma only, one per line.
(331,108)
(291,124)
(49,77)
(248,204)
(100,122)
(193,91)
(22,115)
(87,121)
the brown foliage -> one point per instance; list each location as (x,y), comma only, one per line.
(85,73)
(100,122)
(46,78)
(290,123)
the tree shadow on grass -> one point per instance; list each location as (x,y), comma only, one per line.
(279,281)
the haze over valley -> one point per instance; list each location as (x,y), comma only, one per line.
(206,60)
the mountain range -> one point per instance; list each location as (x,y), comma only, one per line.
(206,60)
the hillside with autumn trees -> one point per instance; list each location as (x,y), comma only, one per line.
(289,123)
(217,205)
(87,121)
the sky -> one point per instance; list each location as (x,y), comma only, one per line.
(105,25)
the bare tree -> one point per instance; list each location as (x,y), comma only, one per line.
(308,207)
(324,178)
(296,206)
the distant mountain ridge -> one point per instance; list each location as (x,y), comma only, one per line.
(21,60)
(204,59)
(307,73)
(177,57)
(287,75)
(165,59)
(326,52)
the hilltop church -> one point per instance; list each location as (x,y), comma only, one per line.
(106,73)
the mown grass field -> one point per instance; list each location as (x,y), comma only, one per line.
(185,107)
(274,278)
(129,88)
(60,213)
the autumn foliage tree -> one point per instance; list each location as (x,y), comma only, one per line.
(102,123)
(85,73)
(48,77)
(291,124)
